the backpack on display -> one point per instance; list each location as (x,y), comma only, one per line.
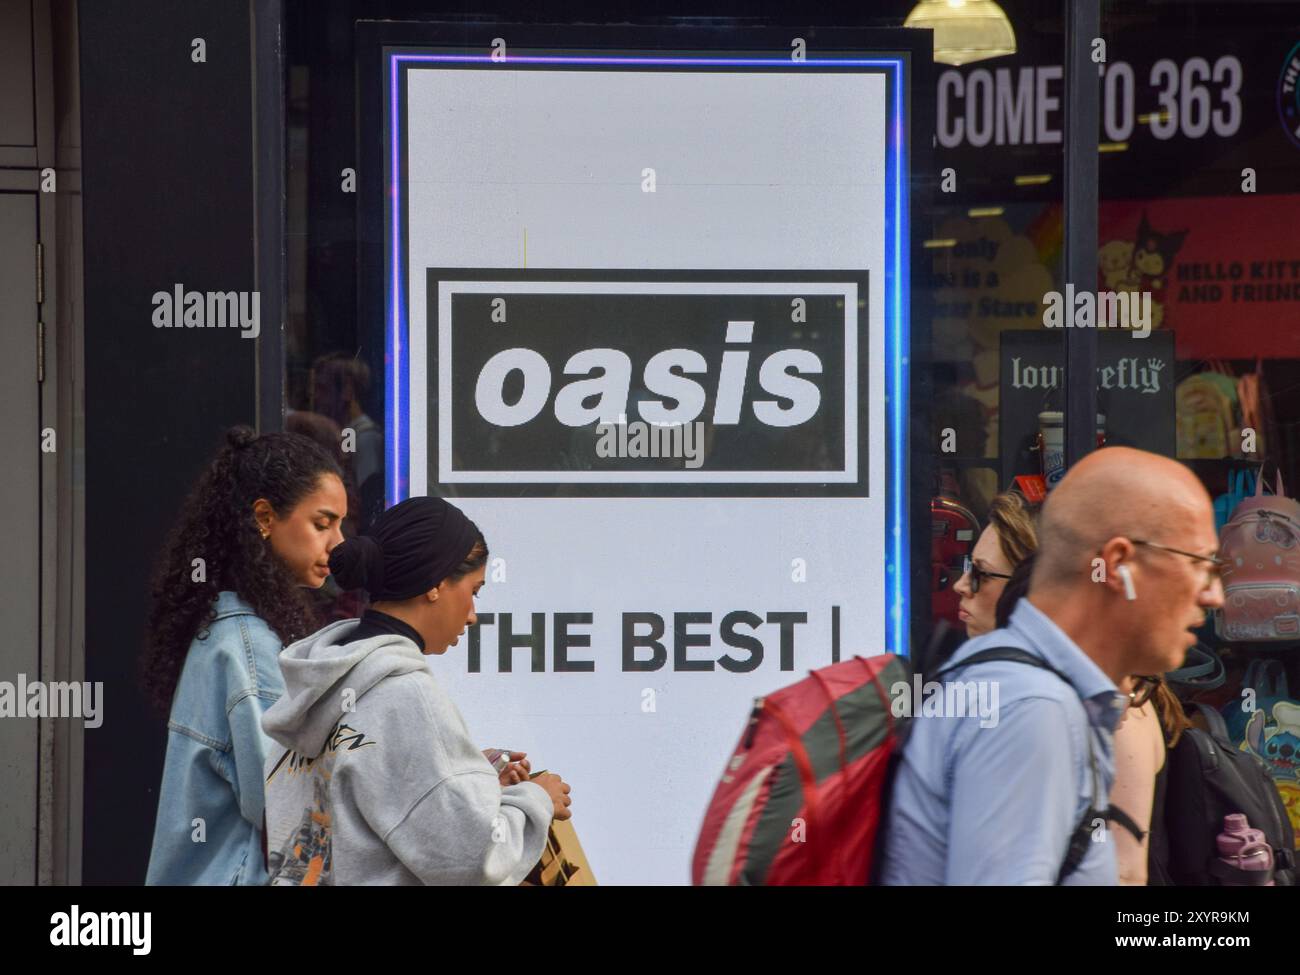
(1208,779)
(1207,416)
(1271,731)
(954,530)
(1256,409)
(1261,580)
(804,793)
(1241,485)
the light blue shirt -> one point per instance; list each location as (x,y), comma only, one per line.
(998,804)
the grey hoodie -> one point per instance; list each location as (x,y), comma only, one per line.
(378,781)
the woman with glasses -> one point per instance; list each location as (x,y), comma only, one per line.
(1008,539)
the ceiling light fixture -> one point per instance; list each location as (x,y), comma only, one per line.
(965,31)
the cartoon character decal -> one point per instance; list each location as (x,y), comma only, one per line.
(1115,262)
(1153,253)
(1142,264)
(1278,744)
(1153,257)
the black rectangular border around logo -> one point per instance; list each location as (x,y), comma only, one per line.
(532,489)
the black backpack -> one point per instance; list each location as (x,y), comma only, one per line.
(1206,778)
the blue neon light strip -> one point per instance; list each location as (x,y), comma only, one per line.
(897,332)
(395,358)
(898,346)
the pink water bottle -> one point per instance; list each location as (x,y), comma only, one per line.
(1243,848)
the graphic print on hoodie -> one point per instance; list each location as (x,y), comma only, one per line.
(379,782)
(305,859)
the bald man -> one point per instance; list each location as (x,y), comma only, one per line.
(1126,570)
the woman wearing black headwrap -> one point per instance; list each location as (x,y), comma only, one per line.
(380,782)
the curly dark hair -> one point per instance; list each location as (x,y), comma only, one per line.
(217,524)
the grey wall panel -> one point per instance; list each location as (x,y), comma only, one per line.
(17,87)
(20,528)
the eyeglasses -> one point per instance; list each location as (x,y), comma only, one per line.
(1143,688)
(977,575)
(1216,563)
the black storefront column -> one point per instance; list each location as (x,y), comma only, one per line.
(268,82)
(169,198)
(1082,118)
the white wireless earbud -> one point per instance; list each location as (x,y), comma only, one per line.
(1130,592)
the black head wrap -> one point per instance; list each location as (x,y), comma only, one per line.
(409,549)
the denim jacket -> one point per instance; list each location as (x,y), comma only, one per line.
(215,752)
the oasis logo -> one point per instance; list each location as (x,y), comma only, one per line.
(666,377)
(768,370)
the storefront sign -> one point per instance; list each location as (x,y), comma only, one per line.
(1135,393)
(1223,273)
(1171,107)
(647,326)
(578,381)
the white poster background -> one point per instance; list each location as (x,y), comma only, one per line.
(754,170)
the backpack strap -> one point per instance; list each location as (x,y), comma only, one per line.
(1010,654)
(1081,837)
(1235,877)
(1207,675)
(1245,484)
(1272,679)
(1218,728)
(1120,818)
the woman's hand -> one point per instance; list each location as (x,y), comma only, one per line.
(517,770)
(558,790)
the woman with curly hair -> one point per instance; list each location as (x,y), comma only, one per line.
(228,593)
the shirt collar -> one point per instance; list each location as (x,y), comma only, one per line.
(391,624)
(1102,700)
